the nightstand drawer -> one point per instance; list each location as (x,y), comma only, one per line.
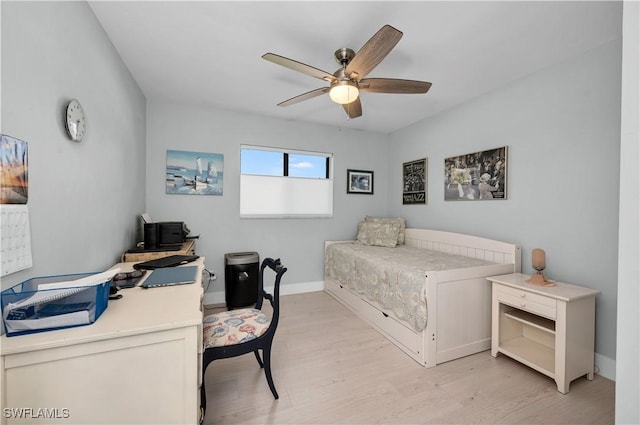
(528,301)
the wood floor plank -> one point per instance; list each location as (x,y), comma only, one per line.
(330,367)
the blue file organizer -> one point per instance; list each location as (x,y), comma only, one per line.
(26,310)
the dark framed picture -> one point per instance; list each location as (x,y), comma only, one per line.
(414,182)
(360,182)
(476,176)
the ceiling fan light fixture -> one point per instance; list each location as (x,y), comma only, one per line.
(344,92)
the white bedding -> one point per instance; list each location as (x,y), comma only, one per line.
(392,278)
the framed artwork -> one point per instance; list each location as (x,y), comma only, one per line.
(476,176)
(194,173)
(14,171)
(360,182)
(414,182)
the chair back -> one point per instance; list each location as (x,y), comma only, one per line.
(274,299)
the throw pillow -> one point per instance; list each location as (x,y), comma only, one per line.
(378,234)
(399,220)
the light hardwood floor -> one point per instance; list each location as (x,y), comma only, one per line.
(329,367)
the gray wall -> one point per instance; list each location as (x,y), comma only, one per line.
(299,242)
(562,129)
(83,197)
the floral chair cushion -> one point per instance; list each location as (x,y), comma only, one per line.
(233,327)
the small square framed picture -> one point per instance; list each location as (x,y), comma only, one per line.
(360,182)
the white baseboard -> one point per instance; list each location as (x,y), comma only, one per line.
(211,298)
(605,366)
(217,297)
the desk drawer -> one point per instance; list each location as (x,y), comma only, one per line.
(527,301)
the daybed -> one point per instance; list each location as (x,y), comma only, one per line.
(428,295)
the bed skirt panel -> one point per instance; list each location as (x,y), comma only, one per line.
(399,333)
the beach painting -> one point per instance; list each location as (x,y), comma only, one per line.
(14,171)
(194,173)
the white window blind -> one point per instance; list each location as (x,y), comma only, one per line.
(279,195)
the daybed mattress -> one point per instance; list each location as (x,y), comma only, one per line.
(392,278)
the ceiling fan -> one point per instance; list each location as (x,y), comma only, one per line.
(347,82)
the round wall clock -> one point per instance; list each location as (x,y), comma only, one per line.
(75,121)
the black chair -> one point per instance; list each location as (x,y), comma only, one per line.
(236,332)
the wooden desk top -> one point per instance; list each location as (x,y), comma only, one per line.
(139,311)
(188,248)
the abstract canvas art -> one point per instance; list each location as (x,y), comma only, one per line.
(194,173)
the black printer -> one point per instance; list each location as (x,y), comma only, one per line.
(164,235)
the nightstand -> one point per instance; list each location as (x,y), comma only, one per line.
(550,329)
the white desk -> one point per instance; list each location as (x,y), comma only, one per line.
(139,363)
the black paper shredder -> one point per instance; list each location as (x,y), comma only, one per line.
(241,279)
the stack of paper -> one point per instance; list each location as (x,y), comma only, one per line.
(46,307)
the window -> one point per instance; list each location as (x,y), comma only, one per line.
(278,182)
(309,166)
(262,162)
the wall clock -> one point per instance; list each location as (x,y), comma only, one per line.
(75,121)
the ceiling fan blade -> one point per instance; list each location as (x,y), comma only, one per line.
(353,109)
(373,51)
(298,66)
(392,85)
(305,96)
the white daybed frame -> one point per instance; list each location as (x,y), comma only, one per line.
(458,301)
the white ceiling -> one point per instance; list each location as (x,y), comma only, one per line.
(208,53)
